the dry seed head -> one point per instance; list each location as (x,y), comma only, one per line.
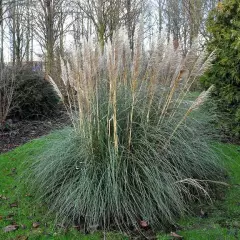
(64,74)
(201,98)
(55,87)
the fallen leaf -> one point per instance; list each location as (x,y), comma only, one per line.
(10,228)
(175,235)
(21,238)
(3,197)
(144,224)
(36,224)
(9,217)
(1,217)
(15,204)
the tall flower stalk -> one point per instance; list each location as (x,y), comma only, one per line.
(136,151)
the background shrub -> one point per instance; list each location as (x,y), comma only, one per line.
(223,26)
(33,96)
(137,150)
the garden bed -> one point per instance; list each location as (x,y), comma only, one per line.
(14,134)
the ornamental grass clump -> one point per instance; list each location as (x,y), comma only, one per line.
(135,151)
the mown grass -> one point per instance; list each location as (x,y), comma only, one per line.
(28,211)
(222,222)
(223,217)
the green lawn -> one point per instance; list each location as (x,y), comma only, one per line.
(223,221)
(18,207)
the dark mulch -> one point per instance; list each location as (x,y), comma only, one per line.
(16,133)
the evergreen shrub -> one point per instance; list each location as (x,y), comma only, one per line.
(33,97)
(223,25)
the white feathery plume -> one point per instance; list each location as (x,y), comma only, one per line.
(201,99)
(64,72)
(55,87)
(71,77)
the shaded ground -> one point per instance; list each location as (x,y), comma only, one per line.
(14,134)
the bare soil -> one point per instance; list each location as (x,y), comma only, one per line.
(16,133)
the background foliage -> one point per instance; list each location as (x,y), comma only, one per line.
(223,25)
(33,96)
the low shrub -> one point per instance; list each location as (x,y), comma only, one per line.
(33,96)
(137,151)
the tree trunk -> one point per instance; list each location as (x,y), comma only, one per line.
(50,40)
(2,34)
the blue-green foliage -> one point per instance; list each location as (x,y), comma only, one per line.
(83,179)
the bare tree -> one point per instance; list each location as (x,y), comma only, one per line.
(133,9)
(184,20)
(49,20)
(49,27)
(105,15)
(2,34)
